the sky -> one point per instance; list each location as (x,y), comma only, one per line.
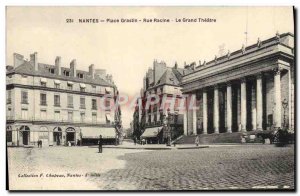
(127,50)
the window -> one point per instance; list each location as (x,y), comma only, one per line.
(51,70)
(94,117)
(66,73)
(24,113)
(57,86)
(70,116)
(57,115)
(82,89)
(43,84)
(9,114)
(8,100)
(56,100)
(80,75)
(70,86)
(43,99)
(24,98)
(107,104)
(70,101)
(82,103)
(43,114)
(82,116)
(93,88)
(94,104)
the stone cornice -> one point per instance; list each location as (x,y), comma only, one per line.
(12,86)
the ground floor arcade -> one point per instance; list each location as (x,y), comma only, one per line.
(28,134)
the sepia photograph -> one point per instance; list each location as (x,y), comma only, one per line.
(150,98)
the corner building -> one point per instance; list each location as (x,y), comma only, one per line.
(57,105)
(251,89)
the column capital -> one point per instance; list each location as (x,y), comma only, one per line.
(259,75)
(277,70)
(243,79)
(216,86)
(228,83)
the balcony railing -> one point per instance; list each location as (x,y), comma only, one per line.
(75,87)
(86,121)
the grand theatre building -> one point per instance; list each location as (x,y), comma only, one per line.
(58,105)
(251,89)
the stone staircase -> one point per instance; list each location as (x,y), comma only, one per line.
(215,138)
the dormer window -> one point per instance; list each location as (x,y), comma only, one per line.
(66,73)
(51,70)
(80,75)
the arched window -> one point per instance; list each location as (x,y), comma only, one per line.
(70,129)
(43,134)
(8,134)
(24,128)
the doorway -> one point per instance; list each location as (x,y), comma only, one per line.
(70,136)
(25,134)
(57,136)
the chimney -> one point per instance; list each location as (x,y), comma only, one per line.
(176,65)
(57,65)
(158,70)
(73,67)
(101,73)
(92,70)
(18,60)
(34,60)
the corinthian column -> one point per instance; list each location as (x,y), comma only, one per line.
(277,98)
(229,108)
(185,119)
(204,111)
(243,105)
(216,109)
(253,108)
(259,105)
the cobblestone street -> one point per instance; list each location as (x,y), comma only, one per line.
(223,167)
(237,167)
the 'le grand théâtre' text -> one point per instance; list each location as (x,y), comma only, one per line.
(144,20)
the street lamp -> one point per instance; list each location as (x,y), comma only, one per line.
(167,125)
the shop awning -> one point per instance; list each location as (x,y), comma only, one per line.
(151,132)
(44,80)
(82,85)
(57,81)
(95,132)
(69,82)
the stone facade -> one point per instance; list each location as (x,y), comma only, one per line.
(246,90)
(56,104)
(163,82)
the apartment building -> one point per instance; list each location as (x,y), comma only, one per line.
(58,105)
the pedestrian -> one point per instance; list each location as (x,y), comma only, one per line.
(100,144)
(41,143)
(197,140)
(134,140)
(38,142)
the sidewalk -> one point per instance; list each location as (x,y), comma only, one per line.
(129,145)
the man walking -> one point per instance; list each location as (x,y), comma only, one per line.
(100,144)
